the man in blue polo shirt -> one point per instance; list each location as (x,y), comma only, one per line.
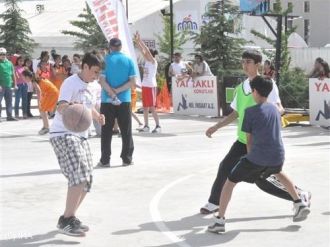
(118,78)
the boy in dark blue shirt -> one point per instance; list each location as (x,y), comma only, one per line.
(262,124)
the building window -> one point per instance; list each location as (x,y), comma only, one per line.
(306,30)
(290,7)
(275,7)
(307,7)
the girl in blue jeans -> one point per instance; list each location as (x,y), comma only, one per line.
(21,88)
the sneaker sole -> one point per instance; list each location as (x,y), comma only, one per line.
(206,211)
(216,230)
(84,229)
(101,167)
(303,215)
(126,164)
(81,234)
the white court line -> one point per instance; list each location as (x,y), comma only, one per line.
(156,217)
(155,214)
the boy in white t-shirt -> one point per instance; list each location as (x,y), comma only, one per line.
(178,67)
(72,149)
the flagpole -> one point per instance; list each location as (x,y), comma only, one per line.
(171,29)
(127,9)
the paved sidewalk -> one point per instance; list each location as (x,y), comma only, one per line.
(156,201)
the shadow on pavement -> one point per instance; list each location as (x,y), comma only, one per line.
(313,144)
(12,136)
(36,240)
(302,132)
(158,135)
(198,236)
(28,174)
(198,239)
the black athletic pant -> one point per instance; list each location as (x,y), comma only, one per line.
(238,150)
(124,117)
(28,105)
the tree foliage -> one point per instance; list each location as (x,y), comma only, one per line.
(218,42)
(15,31)
(293,84)
(294,88)
(91,36)
(164,41)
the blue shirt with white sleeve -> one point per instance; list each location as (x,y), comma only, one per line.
(119,68)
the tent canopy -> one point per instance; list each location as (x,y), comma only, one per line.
(57,14)
(296,41)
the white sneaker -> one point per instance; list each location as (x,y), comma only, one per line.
(157,129)
(209,208)
(301,211)
(145,129)
(306,197)
(218,226)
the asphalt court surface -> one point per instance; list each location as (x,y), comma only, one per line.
(156,202)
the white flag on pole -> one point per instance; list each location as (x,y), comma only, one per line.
(110,15)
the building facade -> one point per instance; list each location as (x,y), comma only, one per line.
(312,20)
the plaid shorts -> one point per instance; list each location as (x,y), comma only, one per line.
(74,157)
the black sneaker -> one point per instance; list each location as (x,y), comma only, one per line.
(101,165)
(218,226)
(12,119)
(81,226)
(157,129)
(128,163)
(69,226)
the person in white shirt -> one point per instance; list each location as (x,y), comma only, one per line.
(76,64)
(200,67)
(178,67)
(72,149)
(149,85)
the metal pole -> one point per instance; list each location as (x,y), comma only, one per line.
(171,29)
(278,49)
(127,9)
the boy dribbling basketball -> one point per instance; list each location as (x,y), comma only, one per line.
(72,149)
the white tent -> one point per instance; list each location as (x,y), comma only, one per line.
(48,18)
(296,41)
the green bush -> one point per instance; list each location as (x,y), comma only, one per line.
(294,89)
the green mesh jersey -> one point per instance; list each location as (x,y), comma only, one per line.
(243,101)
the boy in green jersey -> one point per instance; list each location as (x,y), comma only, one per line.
(251,60)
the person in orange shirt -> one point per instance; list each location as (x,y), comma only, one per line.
(47,97)
(43,70)
(59,74)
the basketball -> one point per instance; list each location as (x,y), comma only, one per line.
(77,118)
